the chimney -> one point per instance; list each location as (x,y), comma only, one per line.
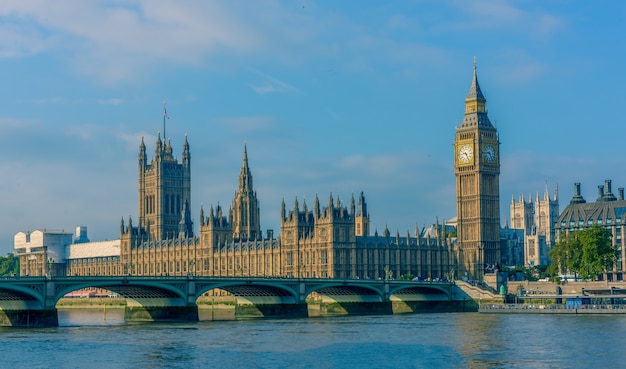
(608,195)
(620,193)
(600,193)
(577,199)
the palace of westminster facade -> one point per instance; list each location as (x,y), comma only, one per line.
(330,240)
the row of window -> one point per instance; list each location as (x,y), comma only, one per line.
(171,204)
(590,221)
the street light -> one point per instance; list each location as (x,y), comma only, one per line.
(192,265)
(50,263)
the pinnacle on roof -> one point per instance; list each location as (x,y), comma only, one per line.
(245,176)
(474,92)
(475,107)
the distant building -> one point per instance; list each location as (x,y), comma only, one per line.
(536,219)
(607,212)
(512,246)
(40,249)
(48,251)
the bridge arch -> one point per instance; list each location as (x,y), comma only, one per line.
(18,292)
(245,290)
(338,288)
(136,290)
(427,290)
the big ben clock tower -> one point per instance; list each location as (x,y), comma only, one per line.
(477,170)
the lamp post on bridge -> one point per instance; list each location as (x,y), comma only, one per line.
(50,264)
(387,273)
(192,265)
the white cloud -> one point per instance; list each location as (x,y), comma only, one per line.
(118,40)
(272,84)
(504,16)
(15,123)
(247,123)
(54,100)
(111,101)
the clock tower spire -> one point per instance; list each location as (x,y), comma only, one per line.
(477,171)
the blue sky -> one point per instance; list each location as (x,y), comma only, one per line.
(330,96)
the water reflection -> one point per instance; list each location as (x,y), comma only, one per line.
(95,338)
(89,317)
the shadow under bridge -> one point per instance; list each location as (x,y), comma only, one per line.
(252,298)
(146,299)
(330,298)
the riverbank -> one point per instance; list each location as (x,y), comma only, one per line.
(99,302)
(90,302)
(550,309)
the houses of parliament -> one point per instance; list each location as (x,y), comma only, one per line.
(327,239)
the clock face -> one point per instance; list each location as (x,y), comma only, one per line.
(489,153)
(465,154)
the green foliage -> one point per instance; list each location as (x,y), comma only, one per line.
(9,265)
(407,276)
(588,253)
(533,273)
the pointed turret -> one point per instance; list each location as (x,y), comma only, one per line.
(245,209)
(352,206)
(475,106)
(475,94)
(316,207)
(159,146)
(185,226)
(283,213)
(186,155)
(245,177)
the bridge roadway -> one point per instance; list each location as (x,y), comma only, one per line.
(31,301)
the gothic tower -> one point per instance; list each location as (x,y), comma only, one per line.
(522,214)
(477,170)
(246,214)
(164,191)
(546,216)
(362,217)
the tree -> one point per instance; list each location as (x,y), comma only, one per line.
(9,265)
(588,252)
(565,255)
(598,253)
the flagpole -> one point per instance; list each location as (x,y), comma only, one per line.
(164,116)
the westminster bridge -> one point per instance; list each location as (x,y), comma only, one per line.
(31,301)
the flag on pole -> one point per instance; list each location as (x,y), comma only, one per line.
(165,112)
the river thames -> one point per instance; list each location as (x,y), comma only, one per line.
(97,339)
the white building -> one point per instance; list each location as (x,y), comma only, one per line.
(49,250)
